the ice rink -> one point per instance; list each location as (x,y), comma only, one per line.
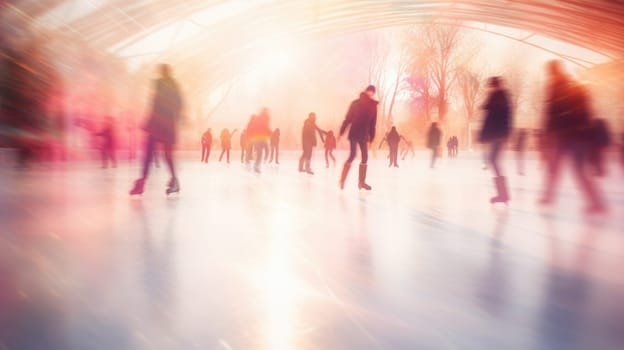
(284,260)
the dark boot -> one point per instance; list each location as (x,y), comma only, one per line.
(501,189)
(138,187)
(362,178)
(173,186)
(343,175)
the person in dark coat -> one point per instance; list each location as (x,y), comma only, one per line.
(434,136)
(393,139)
(274,144)
(330,146)
(226,144)
(455,146)
(162,126)
(362,119)
(308,142)
(108,143)
(495,131)
(568,120)
(206,142)
(600,141)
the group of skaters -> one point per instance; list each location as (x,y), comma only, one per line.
(570,131)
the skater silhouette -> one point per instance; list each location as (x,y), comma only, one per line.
(108,142)
(206,142)
(520,148)
(495,131)
(433,142)
(409,147)
(308,142)
(568,118)
(393,138)
(362,119)
(330,146)
(599,142)
(244,143)
(259,134)
(275,140)
(161,127)
(226,144)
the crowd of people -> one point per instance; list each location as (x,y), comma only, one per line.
(570,131)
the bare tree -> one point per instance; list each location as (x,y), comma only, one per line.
(469,83)
(419,70)
(442,42)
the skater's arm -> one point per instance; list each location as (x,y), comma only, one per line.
(322,133)
(373,125)
(233,132)
(348,119)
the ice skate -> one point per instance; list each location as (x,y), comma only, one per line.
(173,186)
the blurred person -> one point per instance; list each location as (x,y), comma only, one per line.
(243,144)
(495,131)
(622,149)
(362,119)
(259,134)
(226,144)
(308,142)
(434,136)
(248,144)
(520,148)
(568,119)
(274,144)
(206,143)
(330,146)
(131,126)
(23,98)
(455,148)
(161,127)
(107,147)
(449,147)
(409,147)
(600,141)
(393,139)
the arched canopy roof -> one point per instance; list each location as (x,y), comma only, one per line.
(594,24)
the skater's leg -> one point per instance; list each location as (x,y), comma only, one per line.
(553,166)
(493,158)
(588,186)
(149,154)
(331,155)
(113,159)
(326,158)
(222,153)
(352,151)
(227,155)
(364,151)
(208,153)
(168,148)
(433,157)
(104,157)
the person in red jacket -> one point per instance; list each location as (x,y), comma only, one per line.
(259,133)
(330,146)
